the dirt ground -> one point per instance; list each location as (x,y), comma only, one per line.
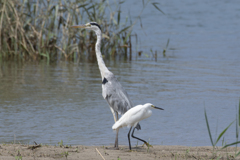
(45,152)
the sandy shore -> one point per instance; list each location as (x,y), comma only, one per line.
(44,152)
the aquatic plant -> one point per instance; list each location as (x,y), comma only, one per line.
(40,29)
(214,143)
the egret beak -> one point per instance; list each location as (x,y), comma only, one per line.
(158,108)
(79,26)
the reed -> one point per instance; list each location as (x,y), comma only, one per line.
(39,29)
(224,145)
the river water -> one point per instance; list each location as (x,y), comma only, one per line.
(48,103)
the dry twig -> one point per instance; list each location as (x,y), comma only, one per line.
(100,154)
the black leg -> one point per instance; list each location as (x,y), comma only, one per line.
(129,138)
(137,137)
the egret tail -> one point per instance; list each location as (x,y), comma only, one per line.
(116,125)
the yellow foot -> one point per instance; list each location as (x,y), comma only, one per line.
(132,151)
(147,144)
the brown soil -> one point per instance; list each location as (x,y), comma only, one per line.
(44,152)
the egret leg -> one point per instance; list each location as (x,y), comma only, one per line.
(116,139)
(147,144)
(129,138)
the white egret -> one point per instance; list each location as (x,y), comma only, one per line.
(132,117)
(112,90)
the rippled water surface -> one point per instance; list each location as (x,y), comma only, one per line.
(48,103)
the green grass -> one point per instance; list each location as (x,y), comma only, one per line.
(65,154)
(214,143)
(18,156)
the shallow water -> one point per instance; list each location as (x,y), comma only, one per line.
(48,103)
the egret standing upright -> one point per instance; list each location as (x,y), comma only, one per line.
(112,90)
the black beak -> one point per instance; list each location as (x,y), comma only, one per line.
(158,108)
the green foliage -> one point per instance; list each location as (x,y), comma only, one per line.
(65,154)
(165,49)
(155,5)
(60,144)
(209,131)
(237,132)
(18,156)
(40,29)
(231,144)
(237,153)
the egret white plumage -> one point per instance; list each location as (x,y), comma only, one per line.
(112,90)
(132,117)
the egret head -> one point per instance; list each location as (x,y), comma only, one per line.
(151,106)
(92,26)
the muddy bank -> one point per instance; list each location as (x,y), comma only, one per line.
(45,152)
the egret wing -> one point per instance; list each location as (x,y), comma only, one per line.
(134,115)
(131,117)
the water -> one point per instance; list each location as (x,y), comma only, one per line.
(48,103)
